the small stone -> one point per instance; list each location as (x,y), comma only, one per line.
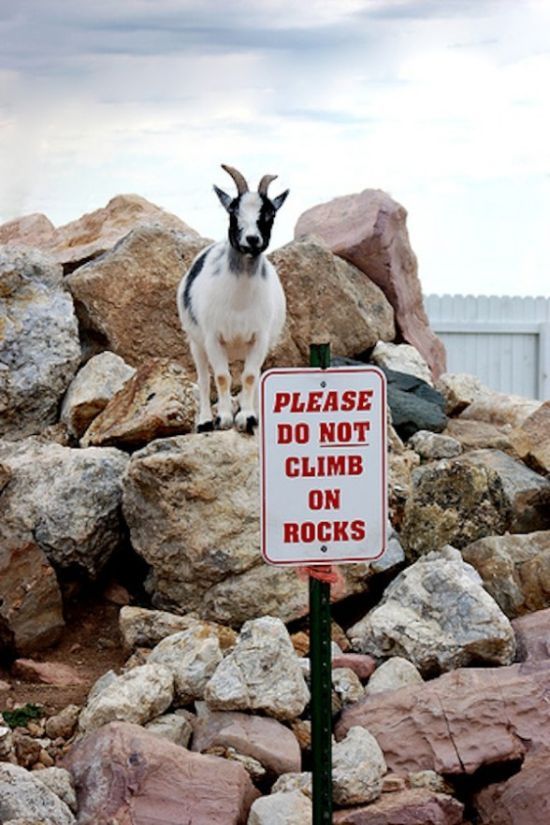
(300,643)
(392,675)
(458,390)
(403,358)
(172,726)
(347,685)
(301,728)
(48,673)
(45,759)
(294,782)
(357,768)
(432,446)
(4,686)
(27,749)
(429,779)
(288,808)
(392,783)
(116,593)
(361,664)
(192,656)
(6,743)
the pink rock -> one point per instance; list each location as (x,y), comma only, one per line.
(48,673)
(369,230)
(267,740)
(521,800)
(417,806)
(30,230)
(459,722)
(125,774)
(361,664)
(533,635)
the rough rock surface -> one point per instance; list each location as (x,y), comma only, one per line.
(159,400)
(22,795)
(515,570)
(531,440)
(31,230)
(175,727)
(401,358)
(47,673)
(96,232)
(34,308)
(521,800)
(262,673)
(460,721)
(137,696)
(418,806)
(533,636)
(453,502)
(140,627)
(393,675)
(479,435)
(283,808)
(437,615)
(126,774)
(31,610)
(267,740)
(60,782)
(527,493)
(500,409)
(363,666)
(369,230)
(357,768)
(432,446)
(347,685)
(66,500)
(92,388)
(327,298)
(458,390)
(126,297)
(191,656)
(414,404)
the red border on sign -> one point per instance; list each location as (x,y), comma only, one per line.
(308,371)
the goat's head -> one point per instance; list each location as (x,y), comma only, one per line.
(251,214)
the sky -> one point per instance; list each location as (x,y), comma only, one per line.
(444,104)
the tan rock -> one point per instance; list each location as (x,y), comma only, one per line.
(357,768)
(403,358)
(531,440)
(98,231)
(393,675)
(127,295)
(47,673)
(124,773)
(327,299)
(369,230)
(458,390)
(63,724)
(283,808)
(479,435)
(515,570)
(141,627)
(192,656)
(92,388)
(499,408)
(417,806)
(158,401)
(459,722)
(34,230)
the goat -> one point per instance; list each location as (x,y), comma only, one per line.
(232,305)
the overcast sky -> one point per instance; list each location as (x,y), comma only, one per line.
(442,103)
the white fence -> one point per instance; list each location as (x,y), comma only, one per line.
(505,341)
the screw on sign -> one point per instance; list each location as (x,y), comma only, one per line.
(324,501)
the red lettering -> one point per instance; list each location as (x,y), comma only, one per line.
(314,401)
(284,433)
(358,530)
(364,402)
(340,531)
(290,532)
(292,467)
(282,400)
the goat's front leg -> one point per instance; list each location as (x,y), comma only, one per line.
(205,422)
(220,367)
(247,417)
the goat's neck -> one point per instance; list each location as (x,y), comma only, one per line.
(241,264)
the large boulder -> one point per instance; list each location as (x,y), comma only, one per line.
(65,500)
(327,298)
(515,570)
(159,400)
(531,440)
(413,806)
(401,358)
(123,773)
(34,230)
(522,799)
(23,796)
(533,636)
(369,230)
(127,297)
(414,404)
(479,435)
(460,722)
(39,345)
(500,409)
(357,768)
(437,615)
(262,672)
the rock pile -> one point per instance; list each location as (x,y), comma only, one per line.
(441,664)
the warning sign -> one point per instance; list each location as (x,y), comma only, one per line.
(323,465)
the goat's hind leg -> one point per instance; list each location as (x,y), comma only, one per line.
(205,423)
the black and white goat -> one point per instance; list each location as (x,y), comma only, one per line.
(232,305)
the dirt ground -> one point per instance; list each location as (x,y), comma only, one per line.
(90,643)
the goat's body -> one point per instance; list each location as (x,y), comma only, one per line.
(232,307)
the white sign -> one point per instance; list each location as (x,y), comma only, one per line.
(323,465)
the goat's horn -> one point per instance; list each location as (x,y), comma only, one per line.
(264,183)
(242,185)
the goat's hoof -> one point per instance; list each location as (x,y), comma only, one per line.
(245,422)
(223,421)
(205,427)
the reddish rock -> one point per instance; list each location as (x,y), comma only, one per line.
(48,673)
(369,230)
(533,636)
(459,722)
(361,664)
(521,800)
(31,230)
(268,741)
(417,806)
(124,773)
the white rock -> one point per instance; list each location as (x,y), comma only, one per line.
(392,675)
(294,782)
(137,696)
(431,446)
(60,782)
(358,766)
(6,742)
(347,685)
(192,656)
(91,388)
(172,726)
(288,808)
(402,358)
(22,796)
(437,615)
(141,627)
(262,673)
(458,390)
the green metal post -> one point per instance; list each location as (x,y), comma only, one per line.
(321,669)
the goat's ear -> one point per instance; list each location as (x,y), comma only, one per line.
(279,200)
(225,199)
